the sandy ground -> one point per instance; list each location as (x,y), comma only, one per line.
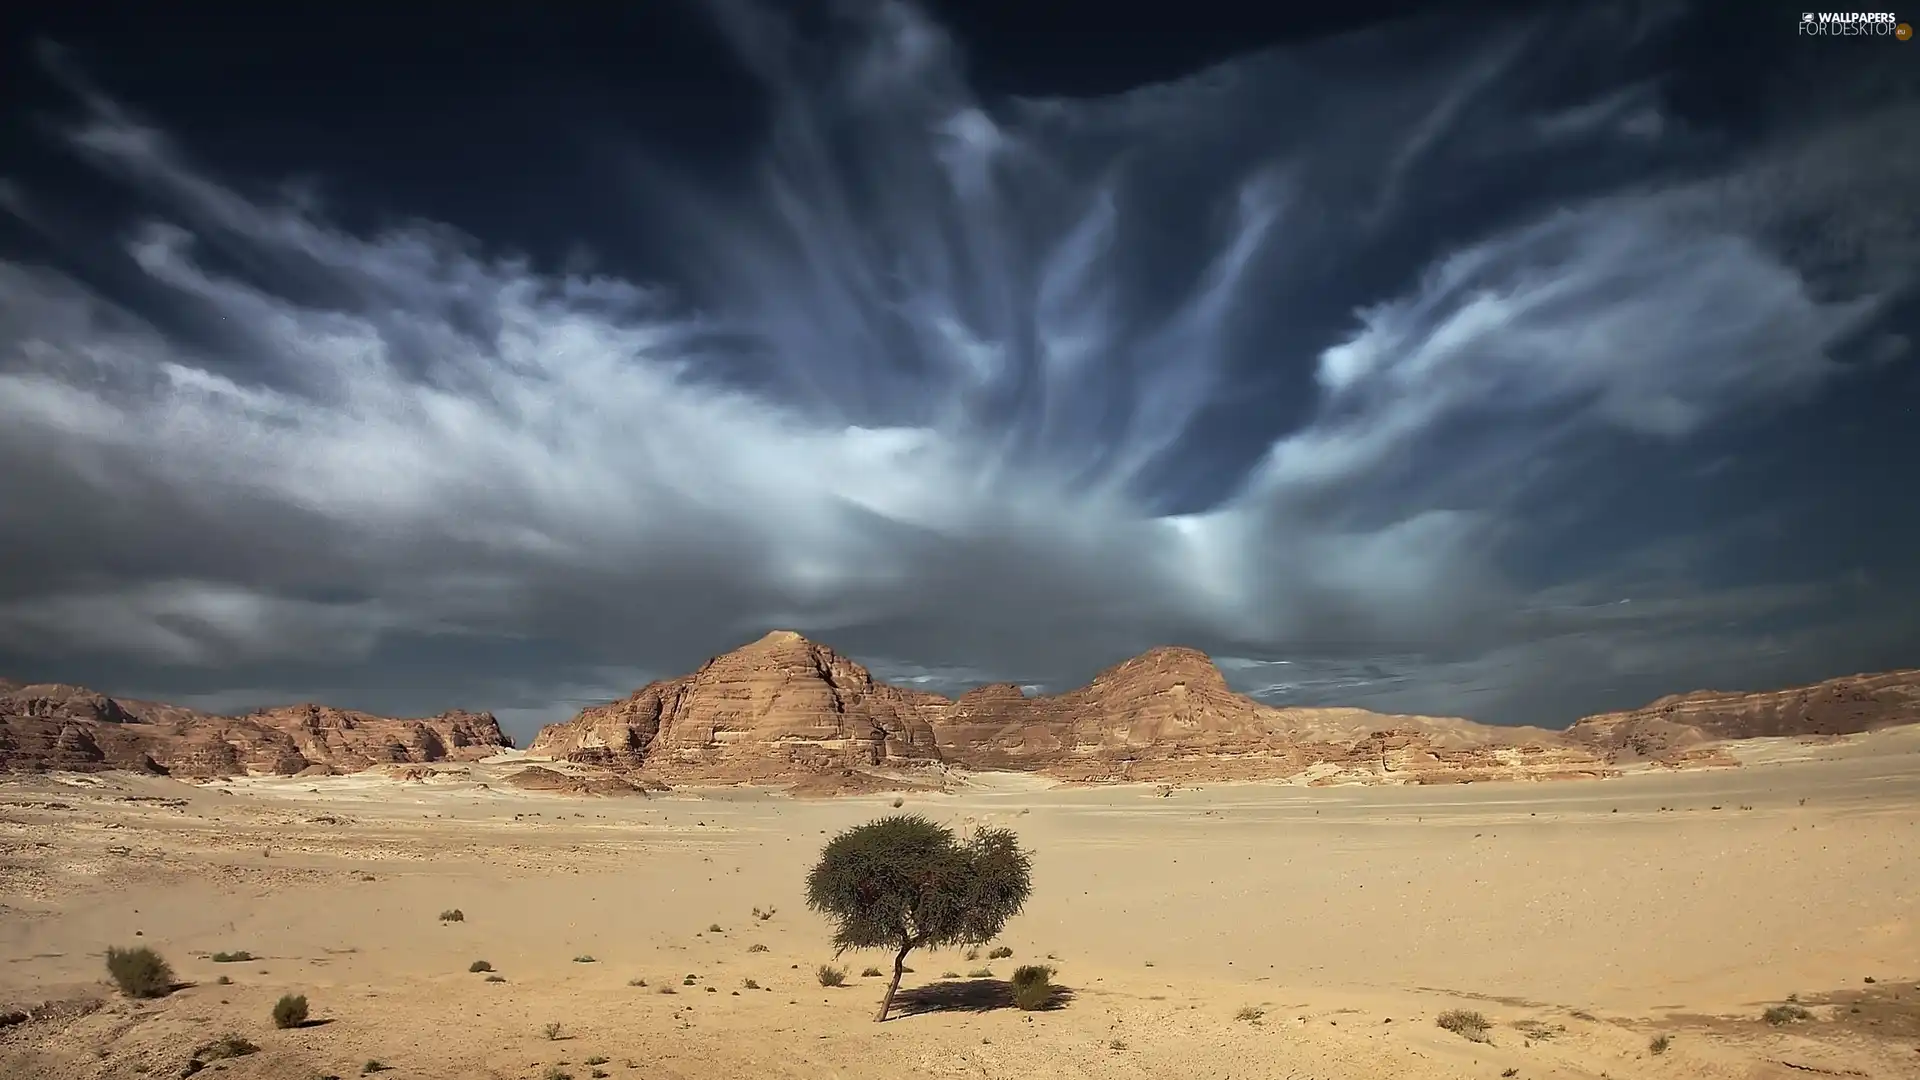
(1581,918)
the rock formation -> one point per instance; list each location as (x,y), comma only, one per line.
(780,707)
(1685,725)
(55,726)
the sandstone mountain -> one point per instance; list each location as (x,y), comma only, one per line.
(1679,723)
(55,726)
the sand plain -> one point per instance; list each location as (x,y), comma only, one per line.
(1582,918)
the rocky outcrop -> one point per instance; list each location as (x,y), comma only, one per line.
(1683,727)
(55,726)
(780,707)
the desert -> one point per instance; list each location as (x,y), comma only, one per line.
(1638,920)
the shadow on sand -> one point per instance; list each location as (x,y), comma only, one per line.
(969,995)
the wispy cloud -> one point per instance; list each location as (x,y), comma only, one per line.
(919,391)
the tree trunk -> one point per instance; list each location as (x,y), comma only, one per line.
(899,968)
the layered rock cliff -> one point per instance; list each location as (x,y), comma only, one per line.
(780,707)
(1682,725)
(55,726)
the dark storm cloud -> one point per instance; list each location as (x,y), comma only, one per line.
(944,385)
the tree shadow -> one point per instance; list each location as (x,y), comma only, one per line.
(969,995)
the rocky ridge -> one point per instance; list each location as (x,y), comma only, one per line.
(56,726)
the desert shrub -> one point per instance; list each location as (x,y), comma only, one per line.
(140,972)
(668,990)
(715,929)
(478,966)
(583,958)
(1032,986)
(636,982)
(1249,1013)
(904,882)
(453,915)
(1464,1023)
(1785,1014)
(1659,1043)
(223,981)
(598,1059)
(763,916)
(555,1072)
(871,973)
(980,973)
(757,948)
(831,976)
(290,1011)
(1000,953)
(372,1067)
(898,803)
(552,1031)
(949,974)
(226,1046)
(688,981)
(231,957)
(749,984)
(496,978)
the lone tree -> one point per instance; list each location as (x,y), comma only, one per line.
(905,883)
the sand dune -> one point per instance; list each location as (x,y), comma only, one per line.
(1582,920)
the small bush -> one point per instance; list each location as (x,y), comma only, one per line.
(598,1059)
(231,957)
(637,982)
(223,981)
(980,973)
(226,1046)
(140,972)
(555,1072)
(496,978)
(763,916)
(1032,986)
(583,958)
(898,803)
(688,981)
(668,990)
(757,948)
(1249,1013)
(453,915)
(831,976)
(1785,1014)
(1659,1044)
(715,929)
(479,966)
(552,1031)
(870,973)
(1000,953)
(750,984)
(1464,1023)
(372,1067)
(290,1011)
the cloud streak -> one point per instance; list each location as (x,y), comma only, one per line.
(927,384)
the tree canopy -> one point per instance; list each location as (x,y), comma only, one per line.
(905,883)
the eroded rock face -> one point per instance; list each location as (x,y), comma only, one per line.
(780,707)
(53,726)
(1680,726)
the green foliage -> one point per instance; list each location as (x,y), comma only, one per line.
(290,1011)
(1032,986)
(140,972)
(904,882)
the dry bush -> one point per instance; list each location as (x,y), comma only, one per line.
(1659,1043)
(290,1011)
(231,957)
(1000,953)
(453,915)
(1249,1013)
(552,1031)
(1785,1014)
(831,976)
(1032,986)
(1465,1023)
(479,966)
(140,972)
(226,1046)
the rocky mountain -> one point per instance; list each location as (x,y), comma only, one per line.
(55,726)
(1684,723)
(784,708)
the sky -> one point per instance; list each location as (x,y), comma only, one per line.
(1507,361)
